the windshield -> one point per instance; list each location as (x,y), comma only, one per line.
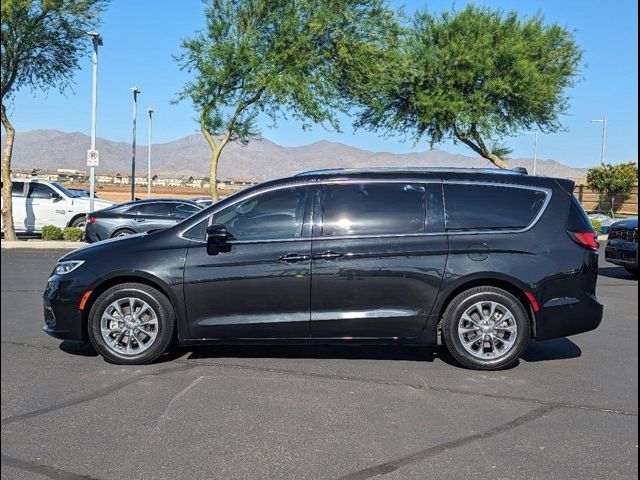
(66,191)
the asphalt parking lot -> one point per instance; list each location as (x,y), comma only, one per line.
(568,410)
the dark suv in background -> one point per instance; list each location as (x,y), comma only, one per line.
(622,245)
(483,260)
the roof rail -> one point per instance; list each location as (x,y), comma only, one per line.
(337,171)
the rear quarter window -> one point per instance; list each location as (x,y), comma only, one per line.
(488,207)
(578,220)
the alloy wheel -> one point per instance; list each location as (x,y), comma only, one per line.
(487,330)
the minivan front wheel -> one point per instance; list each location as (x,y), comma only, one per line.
(131,324)
(486,328)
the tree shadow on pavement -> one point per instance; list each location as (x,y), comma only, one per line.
(556,349)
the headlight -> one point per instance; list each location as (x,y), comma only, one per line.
(68,266)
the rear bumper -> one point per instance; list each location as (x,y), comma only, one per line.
(562,317)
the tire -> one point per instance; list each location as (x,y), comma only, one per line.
(79,222)
(632,270)
(123,232)
(505,343)
(140,341)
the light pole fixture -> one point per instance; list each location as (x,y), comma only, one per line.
(97,42)
(135,91)
(150,112)
(535,134)
(603,121)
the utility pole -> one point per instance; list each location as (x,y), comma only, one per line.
(150,112)
(97,42)
(135,91)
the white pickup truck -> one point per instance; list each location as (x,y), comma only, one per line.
(37,203)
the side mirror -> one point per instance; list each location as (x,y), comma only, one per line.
(217,237)
(56,197)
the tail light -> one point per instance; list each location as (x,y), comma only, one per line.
(586,239)
(91,219)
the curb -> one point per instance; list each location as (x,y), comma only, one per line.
(41,245)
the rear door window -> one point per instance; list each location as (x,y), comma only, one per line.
(373,209)
(488,207)
(17,189)
(155,209)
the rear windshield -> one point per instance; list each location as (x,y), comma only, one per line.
(488,207)
(578,220)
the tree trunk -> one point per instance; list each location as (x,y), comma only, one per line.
(213,173)
(613,213)
(7,210)
(480,148)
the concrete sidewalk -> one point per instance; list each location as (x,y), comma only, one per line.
(37,244)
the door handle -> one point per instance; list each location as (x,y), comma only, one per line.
(139,220)
(328,255)
(294,258)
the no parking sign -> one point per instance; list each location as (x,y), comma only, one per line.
(93,158)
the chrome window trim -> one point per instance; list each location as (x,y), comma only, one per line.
(315,182)
(547,191)
(304,183)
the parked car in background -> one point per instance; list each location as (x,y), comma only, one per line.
(485,260)
(622,245)
(81,192)
(137,217)
(203,201)
(37,203)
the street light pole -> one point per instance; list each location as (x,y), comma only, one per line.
(603,121)
(97,41)
(535,152)
(150,111)
(135,91)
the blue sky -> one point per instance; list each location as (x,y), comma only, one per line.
(142,35)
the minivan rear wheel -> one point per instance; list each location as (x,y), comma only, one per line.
(131,324)
(486,328)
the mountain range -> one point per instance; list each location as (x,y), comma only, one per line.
(261,159)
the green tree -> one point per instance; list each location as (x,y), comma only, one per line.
(42,43)
(474,76)
(611,181)
(278,58)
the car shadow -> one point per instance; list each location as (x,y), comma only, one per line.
(555,349)
(320,352)
(78,349)
(616,272)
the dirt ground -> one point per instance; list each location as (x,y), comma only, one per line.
(122,193)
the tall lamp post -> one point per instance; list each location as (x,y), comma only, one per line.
(135,91)
(150,112)
(97,42)
(535,150)
(603,121)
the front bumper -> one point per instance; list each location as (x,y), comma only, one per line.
(622,253)
(61,299)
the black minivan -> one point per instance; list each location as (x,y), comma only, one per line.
(481,260)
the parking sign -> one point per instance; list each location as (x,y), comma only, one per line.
(93,158)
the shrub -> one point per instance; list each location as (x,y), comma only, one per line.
(597,225)
(73,234)
(611,181)
(51,232)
